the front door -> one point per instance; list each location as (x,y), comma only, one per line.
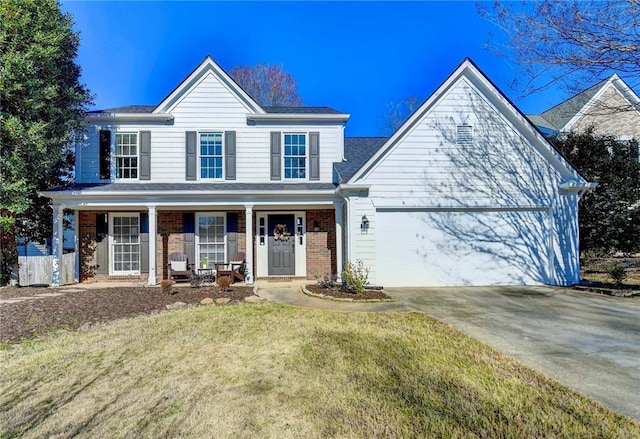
(281,245)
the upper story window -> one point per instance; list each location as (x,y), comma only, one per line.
(211,155)
(126,155)
(464,135)
(295,156)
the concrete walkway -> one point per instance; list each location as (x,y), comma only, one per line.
(586,341)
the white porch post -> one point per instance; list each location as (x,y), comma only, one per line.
(76,245)
(57,242)
(248,212)
(153,231)
(337,205)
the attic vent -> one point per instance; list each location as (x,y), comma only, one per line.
(465,135)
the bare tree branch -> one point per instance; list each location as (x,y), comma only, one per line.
(571,43)
(397,112)
(269,85)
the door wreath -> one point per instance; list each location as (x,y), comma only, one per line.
(281,233)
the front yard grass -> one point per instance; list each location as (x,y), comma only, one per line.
(275,371)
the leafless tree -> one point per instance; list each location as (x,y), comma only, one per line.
(570,43)
(269,85)
(397,112)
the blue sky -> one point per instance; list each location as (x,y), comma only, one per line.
(352,56)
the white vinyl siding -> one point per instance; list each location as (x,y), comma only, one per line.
(126,156)
(210,239)
(499,181)
(125,244)
(207,106)
(499,167)
(295,156)
(211,156)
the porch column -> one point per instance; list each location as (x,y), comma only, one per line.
(76,245)
(153,231)
(248,212)
(57,242)
(337,205)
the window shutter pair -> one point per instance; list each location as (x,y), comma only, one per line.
(145,155)
(191,150)
(276,155)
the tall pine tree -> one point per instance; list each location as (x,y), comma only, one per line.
(42,105)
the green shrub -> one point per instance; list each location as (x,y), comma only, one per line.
(618,274)
(355,276)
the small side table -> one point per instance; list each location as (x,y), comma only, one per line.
(202,275)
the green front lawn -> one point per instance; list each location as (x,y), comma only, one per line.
(275,371)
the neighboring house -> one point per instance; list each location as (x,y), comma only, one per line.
(465,192)
(610,106)
(30,248)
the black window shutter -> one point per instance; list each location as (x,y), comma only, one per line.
(232,235)
(276,158)
(230,155)
(105,155)
(144,242)
(189,228)
(145,155)
(314,156)
(102,244)
(191,156)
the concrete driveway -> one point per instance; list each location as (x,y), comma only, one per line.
(586,341)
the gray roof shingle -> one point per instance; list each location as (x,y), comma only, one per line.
(559,115)
(195,187)
(138,109)
(357,150)
(301,110)
(131,109)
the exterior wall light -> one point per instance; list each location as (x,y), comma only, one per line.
(364,225)
(316,226)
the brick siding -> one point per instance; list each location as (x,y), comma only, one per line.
(321,246)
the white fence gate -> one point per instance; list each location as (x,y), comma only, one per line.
(38,270)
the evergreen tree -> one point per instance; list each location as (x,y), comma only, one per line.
(609,215)
(42,105)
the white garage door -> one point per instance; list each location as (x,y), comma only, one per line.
(479,247)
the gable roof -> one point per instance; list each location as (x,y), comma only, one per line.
(469,70)
(562,116)
(147,109)
(208,65)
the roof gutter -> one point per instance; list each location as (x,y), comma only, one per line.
(130,117)
(73,194)
(297,117)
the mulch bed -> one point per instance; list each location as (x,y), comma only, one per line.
(338,293)
(73,309)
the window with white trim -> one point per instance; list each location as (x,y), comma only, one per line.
(295,156)
(211,242)
(127,155)
(464,134)
(125,243)
(211,158)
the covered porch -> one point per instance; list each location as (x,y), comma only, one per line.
(130,235)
